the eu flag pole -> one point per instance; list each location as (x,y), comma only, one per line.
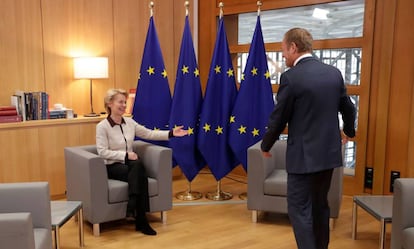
(153,97)
(254,101)
(218,103)
(185,111)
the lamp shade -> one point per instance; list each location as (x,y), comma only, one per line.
(90,67)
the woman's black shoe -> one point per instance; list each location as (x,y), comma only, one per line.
(145,228)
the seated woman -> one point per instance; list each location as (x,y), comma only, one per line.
(114,138)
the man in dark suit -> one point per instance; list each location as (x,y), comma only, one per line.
(310,96)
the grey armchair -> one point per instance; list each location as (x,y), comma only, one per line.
(267,182)
(402,232)
(25,216)
(105,199)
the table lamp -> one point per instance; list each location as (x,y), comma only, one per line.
(90,68)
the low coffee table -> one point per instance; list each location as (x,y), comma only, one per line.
(62,211)
(379,206)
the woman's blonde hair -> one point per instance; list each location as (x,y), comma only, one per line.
(110,94)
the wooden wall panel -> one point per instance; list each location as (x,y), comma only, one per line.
(52,141)
(76,28)
(35,152)
(19,156)
(21,55)
(131,20)
(401,90)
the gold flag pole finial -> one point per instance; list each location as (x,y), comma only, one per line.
(221,5)
(151,6)
(186,5)
(259,4)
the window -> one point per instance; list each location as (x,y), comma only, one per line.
(328,21)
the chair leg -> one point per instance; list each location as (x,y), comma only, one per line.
(164,217)
(332,222)
(96,230)
(254,216)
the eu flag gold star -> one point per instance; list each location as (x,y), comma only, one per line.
(206,127)
(151,70)
(242,129)
(219,130)
(156,129)
(139,76)
(196,72)
(217,69)
(230,72)
(255,132)
(164,73)
(254,71)
(267,74)
(242,76)
(232,119)
(190,131)
(184,69)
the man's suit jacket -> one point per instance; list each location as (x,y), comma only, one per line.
(309,98)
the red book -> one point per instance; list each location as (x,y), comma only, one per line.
(7,108)
(8,112)
(10,119)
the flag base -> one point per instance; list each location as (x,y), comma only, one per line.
(188,195)
(219,196)
(243,196)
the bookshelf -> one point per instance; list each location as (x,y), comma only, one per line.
(33,150)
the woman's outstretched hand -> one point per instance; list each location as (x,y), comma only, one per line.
(179,131)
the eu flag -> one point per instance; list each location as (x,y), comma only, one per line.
(218,103)
(254,101)
(153,97)
(186,107)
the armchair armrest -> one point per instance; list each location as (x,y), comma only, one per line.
(16,230)
(86,178)
(158,163)
(403,205)
(31,197)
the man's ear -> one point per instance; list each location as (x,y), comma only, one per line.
(293,47)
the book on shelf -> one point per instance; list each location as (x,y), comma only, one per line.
(7,107)
(8,112)
(10,119)
(19,97)
(31,105)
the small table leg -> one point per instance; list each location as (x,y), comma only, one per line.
(80,223)
(382,234)
(57,238)
(354,220)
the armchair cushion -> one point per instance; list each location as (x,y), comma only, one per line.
(118,191)
(276,183)
(408,238)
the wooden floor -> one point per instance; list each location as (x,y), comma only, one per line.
(207,224)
